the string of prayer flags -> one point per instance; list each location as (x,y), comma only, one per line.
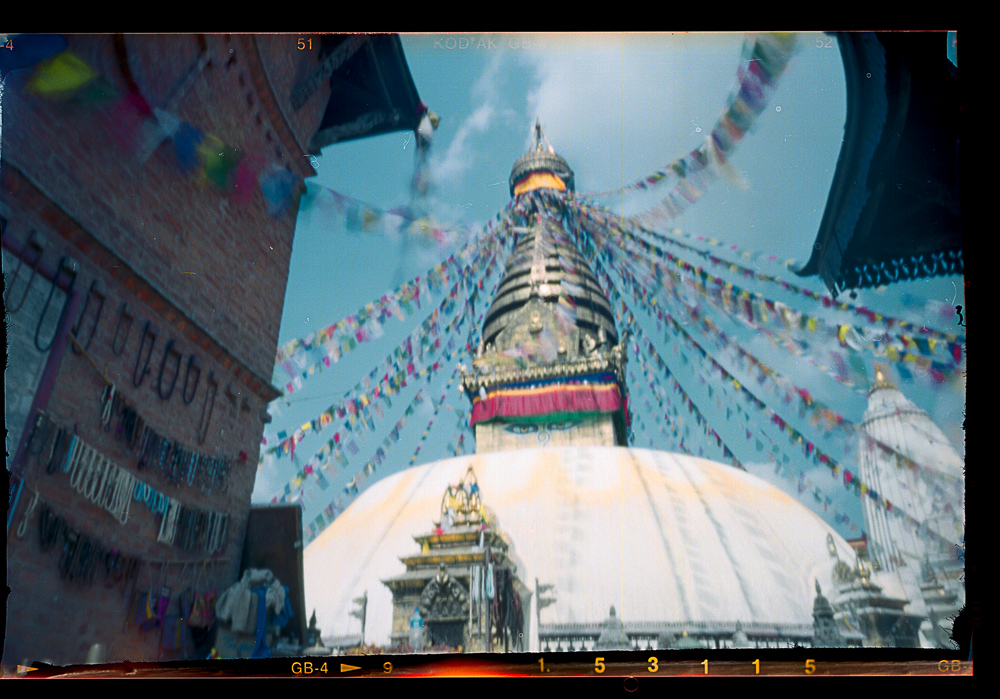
(382,452)
(641,296)
(611,289)
(141,129)
(682,299)
(390,305)
(629,229)
(756,312)
(764,59)
(360,216)
(360,401)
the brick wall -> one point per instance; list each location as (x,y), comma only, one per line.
(24,362)
(205,269)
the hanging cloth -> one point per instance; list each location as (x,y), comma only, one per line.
(261,650)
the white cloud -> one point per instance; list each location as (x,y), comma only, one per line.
(460,156)
(461,153)
(617,110)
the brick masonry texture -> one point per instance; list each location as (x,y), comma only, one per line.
(201,267)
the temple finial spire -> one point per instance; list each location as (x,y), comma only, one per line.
(540,138)
(881,379)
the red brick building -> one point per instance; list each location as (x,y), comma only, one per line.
(148,192)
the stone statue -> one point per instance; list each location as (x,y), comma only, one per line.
(312,633)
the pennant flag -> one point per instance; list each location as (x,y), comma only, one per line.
(61,76)
(278,187)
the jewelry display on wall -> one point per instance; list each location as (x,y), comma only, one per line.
(67,265)
(123,313)
(98,479)
(139,376)
(83,314)
(171,461)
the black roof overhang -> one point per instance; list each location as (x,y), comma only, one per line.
(372,93)
(893,212)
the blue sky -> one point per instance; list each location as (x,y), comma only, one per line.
(617,107)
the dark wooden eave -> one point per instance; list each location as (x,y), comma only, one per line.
(371,89)
(894,211)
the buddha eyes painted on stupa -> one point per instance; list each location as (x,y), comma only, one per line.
(551,426)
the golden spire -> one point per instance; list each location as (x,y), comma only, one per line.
(461,503)
(881,379)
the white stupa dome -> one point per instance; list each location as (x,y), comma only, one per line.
(930,491)
(897,422)
(661,536)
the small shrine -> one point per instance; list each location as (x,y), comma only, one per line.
(613,636)
(464,581)
(942,601)
(826,634)
(861,605)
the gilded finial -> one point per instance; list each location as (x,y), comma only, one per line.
(462,503)
(862,569)
(881,378)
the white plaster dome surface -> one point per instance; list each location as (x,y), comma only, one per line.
(661,536)
(897,422)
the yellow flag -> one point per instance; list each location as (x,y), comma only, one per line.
(61,76)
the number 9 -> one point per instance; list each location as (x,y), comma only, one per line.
(388,667)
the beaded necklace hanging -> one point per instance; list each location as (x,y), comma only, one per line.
(172,462)
(99,480)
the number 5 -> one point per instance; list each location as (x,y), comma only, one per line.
(810,666)
(599,665)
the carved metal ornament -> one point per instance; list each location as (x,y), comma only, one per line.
(444,597)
